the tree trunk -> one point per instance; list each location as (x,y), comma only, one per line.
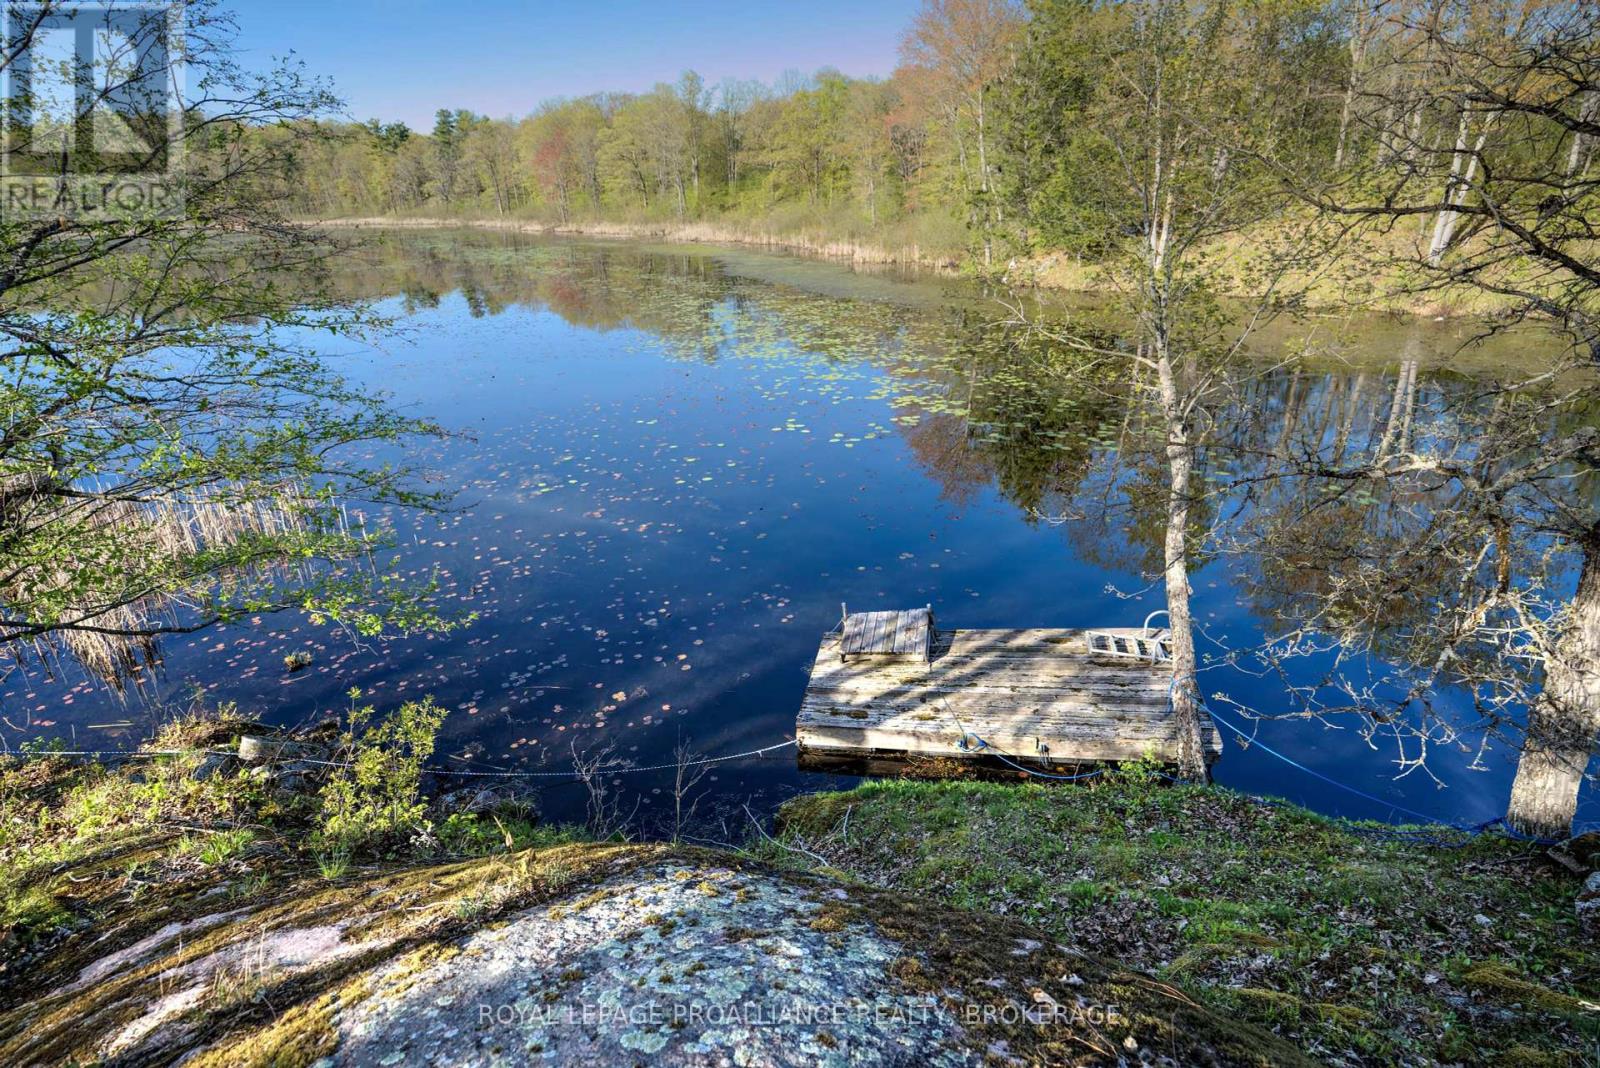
(983,188)
(1358,54)
(1386,135)
(1456,187)
(1180,466)
(1445,222)
(1578,154)
(1344,122)
(1564,723)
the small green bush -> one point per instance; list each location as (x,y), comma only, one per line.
(1138,774)
(376,801)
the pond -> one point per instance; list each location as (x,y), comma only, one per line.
(671,464)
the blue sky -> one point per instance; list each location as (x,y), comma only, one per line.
(403,59)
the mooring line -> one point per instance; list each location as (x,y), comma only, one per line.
(458,772)
(1433,823)
(573,773)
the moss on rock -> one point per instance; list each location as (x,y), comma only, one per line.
(1362,948)
(647,953)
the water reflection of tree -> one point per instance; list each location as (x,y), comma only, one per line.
(1436,531)
(681,298)
(1014,423)
(1448,572)
(593,287)
(942,445)
(980,406)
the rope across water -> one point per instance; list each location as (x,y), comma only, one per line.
(573,773)
(1428,835)
(970,742)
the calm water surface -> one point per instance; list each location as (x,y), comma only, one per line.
(673,464)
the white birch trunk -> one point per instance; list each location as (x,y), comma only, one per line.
(1463,168)
(1180,470)
(1578,154)
(1564,723)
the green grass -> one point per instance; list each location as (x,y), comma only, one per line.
(117,823)
(27,910)
(1361,949)
(334,864)
(218,847)
(148,827)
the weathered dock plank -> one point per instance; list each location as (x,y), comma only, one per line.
(895,634)
(1040,695)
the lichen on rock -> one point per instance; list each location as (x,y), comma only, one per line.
(1588,906)
(601,953)
(680,963)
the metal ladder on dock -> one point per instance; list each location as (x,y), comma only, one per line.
(1154,645)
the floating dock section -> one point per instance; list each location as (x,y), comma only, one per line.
(1046,697)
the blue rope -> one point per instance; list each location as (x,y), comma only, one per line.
(1472,831)
(1248,741)
(1428,835)
(998,755)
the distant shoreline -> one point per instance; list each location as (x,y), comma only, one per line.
(1053,272)
(685,233)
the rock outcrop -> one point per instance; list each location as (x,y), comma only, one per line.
(588,954)
(1588,906)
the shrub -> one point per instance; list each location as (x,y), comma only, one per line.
(376,800)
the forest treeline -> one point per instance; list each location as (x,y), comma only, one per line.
(977,142)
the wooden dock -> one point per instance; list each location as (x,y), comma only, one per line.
(1041,696)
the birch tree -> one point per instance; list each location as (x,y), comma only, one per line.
(1162,169)
(1362,20)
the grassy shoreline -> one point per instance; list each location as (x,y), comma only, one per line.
(1358,293)
(799,243)
(1361,948)
(167,911)
(1357,944)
